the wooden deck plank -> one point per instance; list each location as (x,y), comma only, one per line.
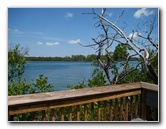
(148,86)
(40,97)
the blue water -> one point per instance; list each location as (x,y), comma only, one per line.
(59,73)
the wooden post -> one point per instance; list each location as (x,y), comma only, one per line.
(70,113)
(143,104)
(121,109)
(105,110)
(136,106)
(85,112)
(60,100)
(52,114)
(43,115)
(131,108)
(78,112)
(62,114)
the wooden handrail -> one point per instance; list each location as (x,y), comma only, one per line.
(149,86)
(51,100)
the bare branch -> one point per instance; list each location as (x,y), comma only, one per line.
(90,45)
(118,17)
(128,59)
(126,73)
(150,40)
(106,40)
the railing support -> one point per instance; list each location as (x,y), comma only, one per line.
(143,104)
(120,102)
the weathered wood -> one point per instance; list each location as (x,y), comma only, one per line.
(150,87)
(52,100)
(136,106)
(62,114)
(43,115)
(76,93)
(131,107)
(121,109)
(126,118)
(143,104)
(78,112)
(23,108)
(85,112)
(53,114)
(70,113)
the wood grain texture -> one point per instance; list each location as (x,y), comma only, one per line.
(52,100)
(76,93)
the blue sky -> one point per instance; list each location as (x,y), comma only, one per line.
(57,31)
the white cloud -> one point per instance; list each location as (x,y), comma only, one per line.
(39,43)
(69,15)
(74,41)
(52,44)
(143,12)
(15,31)
(133,35)
(110,14)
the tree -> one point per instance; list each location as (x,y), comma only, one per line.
(120,53)
(113,34)
(16,62)
(98,79)
(18,85)
(16,67)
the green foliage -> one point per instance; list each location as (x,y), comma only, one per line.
(66,58)
(19,87)
(16,62)
(120,52)
(91,58)
(78,86)
(16,67)
(98,78)
(153,59)
(41,85)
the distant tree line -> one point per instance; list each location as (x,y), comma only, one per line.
(88,58)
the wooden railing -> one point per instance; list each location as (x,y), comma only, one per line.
(106,103)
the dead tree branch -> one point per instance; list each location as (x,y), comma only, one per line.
(120,37)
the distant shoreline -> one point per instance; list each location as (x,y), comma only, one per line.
(82,58)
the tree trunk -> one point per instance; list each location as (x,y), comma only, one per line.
(151,73)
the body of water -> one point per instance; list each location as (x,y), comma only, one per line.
(59,73)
